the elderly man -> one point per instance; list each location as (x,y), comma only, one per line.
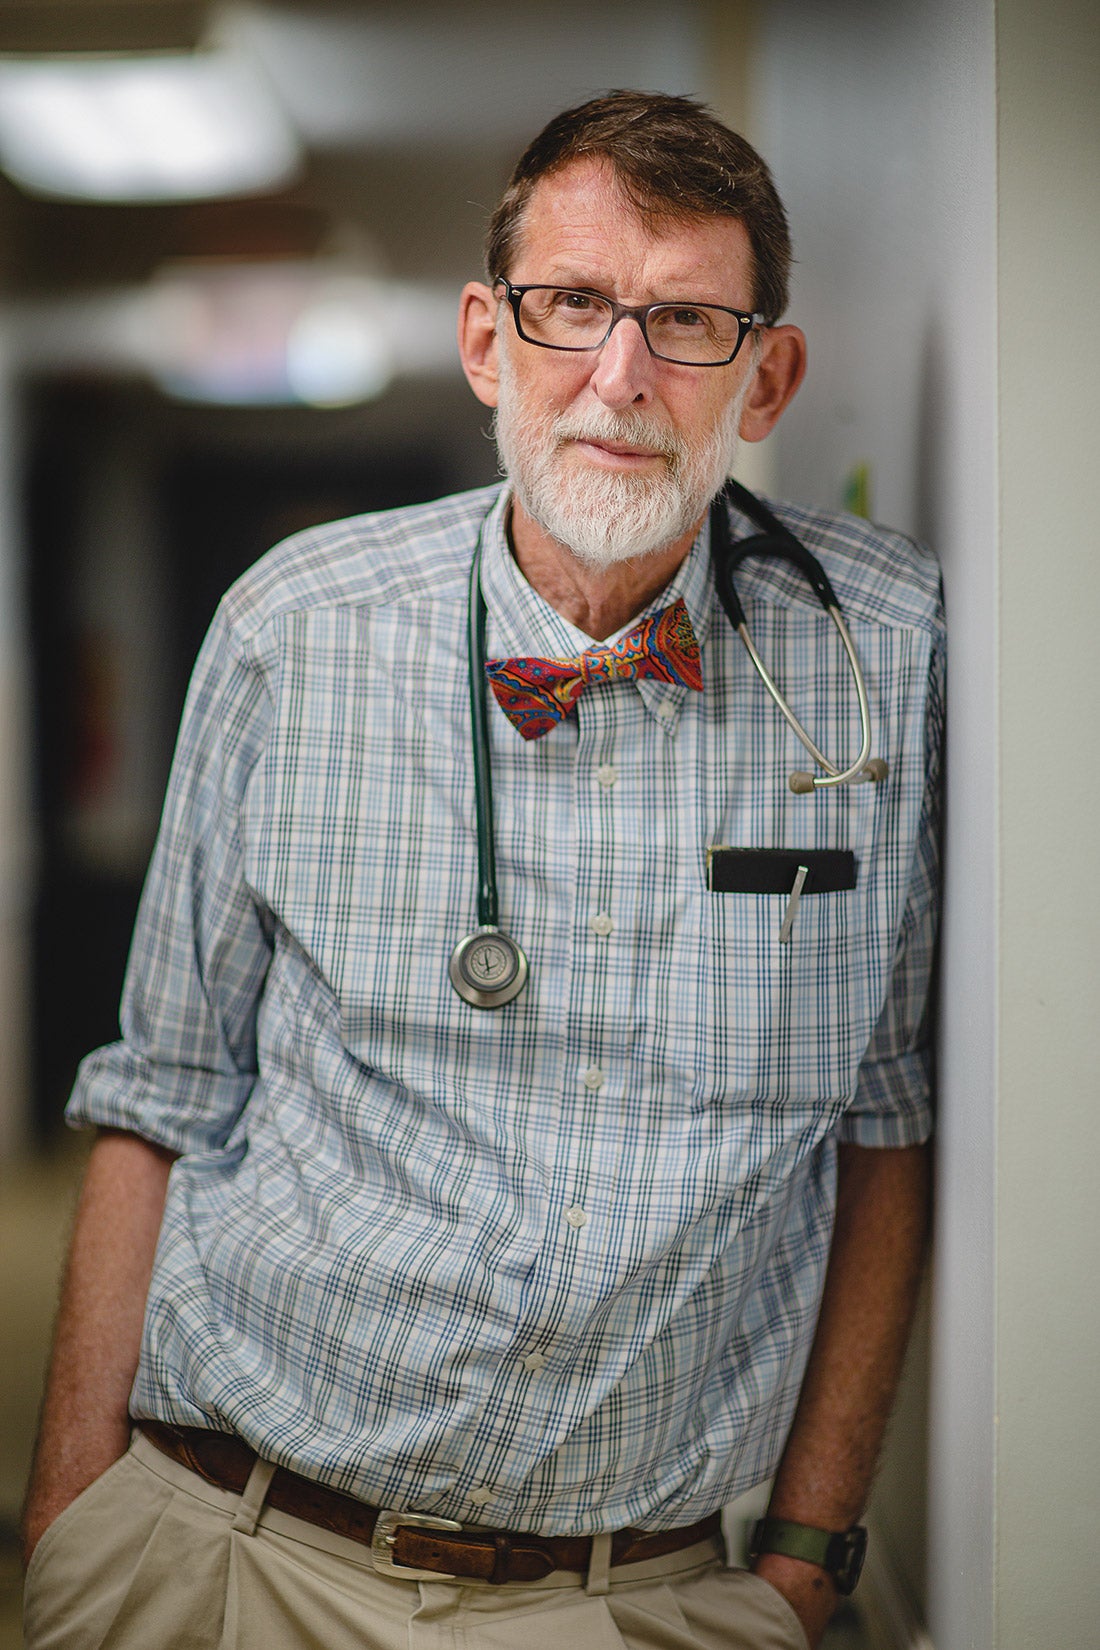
(515,1147)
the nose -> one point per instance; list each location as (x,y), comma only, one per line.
(623,373)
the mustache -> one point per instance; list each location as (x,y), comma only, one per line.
(635,429)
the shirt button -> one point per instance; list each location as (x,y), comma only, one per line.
(534,1361)
(601,924)
(593,1078)
(607,775)
(665,711)
(481,1496)
(576,1217)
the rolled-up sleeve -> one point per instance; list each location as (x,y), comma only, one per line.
(893,1100)
(186,1063)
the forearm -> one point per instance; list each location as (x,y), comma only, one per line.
(874,1270)
(84,1425)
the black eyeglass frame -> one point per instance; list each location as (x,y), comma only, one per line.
(746,320)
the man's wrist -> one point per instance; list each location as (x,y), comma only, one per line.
(839,1553)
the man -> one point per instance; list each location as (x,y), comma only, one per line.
(561,1276)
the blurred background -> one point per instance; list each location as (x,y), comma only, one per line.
(232,238)
(232,261)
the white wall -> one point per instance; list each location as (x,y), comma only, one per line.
(1048,1213)
(880,122)
(940,159)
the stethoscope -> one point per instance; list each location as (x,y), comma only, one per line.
(488,968)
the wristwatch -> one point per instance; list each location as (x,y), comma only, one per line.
(841,1554)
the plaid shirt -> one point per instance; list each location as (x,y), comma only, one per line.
(554,1266)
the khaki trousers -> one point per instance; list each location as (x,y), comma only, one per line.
(151,1557)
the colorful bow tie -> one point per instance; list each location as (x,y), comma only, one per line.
(537,693)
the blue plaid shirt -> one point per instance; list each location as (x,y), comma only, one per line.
(556,1266)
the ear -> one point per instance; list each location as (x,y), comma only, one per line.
(477,340)
(779,371)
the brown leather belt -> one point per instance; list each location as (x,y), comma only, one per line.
(402,1542)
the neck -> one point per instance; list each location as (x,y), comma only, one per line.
(598,601)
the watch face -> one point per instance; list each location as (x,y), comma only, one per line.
(846,1555)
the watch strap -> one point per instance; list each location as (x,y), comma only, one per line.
(840,1553)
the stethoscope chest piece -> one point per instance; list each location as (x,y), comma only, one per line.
(488,968)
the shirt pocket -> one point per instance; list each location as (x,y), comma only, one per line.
(794,1013)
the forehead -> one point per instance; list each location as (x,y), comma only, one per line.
(580,228)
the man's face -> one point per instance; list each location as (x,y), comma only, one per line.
(612,452)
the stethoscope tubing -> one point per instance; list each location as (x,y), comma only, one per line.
(477,616)
(859,771)
(778,540)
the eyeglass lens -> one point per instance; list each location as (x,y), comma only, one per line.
(694,334)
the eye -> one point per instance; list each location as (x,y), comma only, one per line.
(679,320)
(577,303)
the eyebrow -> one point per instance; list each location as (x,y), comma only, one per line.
(574,282)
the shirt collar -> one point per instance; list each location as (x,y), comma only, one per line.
(524,625)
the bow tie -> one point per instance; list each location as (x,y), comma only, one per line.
(537,693)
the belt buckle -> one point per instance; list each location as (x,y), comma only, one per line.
(388,1521)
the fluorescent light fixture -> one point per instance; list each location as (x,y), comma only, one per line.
(266,333)
(337,350)
(277,334)
(185,126)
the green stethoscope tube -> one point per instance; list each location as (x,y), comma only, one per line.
(477,618)
(487,967)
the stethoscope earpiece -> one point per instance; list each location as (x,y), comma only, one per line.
(872,773)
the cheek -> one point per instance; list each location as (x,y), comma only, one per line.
(699,406)
(551,376)
(704,425)
(565,381)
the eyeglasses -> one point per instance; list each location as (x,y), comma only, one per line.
(694,335)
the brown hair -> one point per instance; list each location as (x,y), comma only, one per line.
(675,161)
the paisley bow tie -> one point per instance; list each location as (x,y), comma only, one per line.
(537,693)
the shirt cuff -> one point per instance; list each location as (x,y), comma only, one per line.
(892,1104)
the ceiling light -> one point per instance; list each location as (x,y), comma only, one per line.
(337,351)
(275,334)
(186,126)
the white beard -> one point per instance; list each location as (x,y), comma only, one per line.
(603,516)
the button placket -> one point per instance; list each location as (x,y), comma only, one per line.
(601,922)
(596,819)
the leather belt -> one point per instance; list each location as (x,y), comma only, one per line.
(406,1544)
